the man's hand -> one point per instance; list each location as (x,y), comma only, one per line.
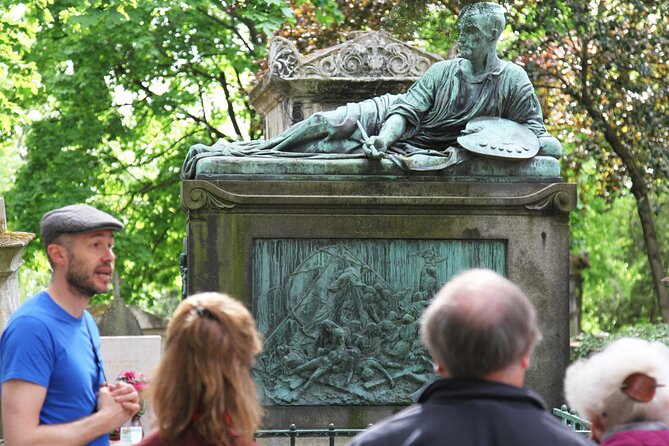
(113,412)
(22,402)
(375,147)
(125,395)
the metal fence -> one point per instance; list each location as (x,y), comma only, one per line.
(293,433)
(569,418)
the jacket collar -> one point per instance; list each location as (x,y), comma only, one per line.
(458,389)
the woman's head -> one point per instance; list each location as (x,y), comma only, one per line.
(204,377)
(625,382)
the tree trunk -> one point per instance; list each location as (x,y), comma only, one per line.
(652,249)
(640,191)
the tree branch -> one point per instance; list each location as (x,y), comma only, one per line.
(229,27)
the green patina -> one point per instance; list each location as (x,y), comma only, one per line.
(419,130)
(340,317)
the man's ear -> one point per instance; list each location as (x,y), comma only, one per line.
(439,369)
(525,360)
(57,253)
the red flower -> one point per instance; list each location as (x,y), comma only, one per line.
(138,381)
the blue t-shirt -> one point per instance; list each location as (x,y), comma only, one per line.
(45,345)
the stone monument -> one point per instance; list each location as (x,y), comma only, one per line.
(12,245)
(338,229)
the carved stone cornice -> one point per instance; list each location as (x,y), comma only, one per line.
(367,54)
(11,250)
(561,200)
(300,196)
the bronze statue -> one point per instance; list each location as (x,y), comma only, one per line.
(419,130)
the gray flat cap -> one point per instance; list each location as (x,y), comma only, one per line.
(75,219)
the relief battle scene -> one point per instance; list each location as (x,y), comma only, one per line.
(341,317)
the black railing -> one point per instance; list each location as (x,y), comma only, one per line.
(294,433)
(566,416)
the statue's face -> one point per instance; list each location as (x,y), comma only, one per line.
(472,39)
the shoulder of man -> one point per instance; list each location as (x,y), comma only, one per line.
(27,351)
(30,318)
(516,72)
(391,430)
(555,433)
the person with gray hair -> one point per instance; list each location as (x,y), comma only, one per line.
(623,391)
(480,330)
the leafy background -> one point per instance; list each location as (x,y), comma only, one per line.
(100,100)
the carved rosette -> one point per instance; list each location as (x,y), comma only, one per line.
(283,58)
(370,54)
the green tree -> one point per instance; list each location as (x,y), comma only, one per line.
(126,87)
(603,65)
(18,84)
(600,67)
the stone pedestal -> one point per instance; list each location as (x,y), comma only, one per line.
(12,245)
(324,259)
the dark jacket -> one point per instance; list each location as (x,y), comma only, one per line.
(471,412)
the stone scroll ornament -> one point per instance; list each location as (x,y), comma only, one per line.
(418,130)
(367,55)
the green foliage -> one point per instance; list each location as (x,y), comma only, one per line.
(125,88)
(119,89)
(18,80)
(617,265)
(602,65)
(584,344)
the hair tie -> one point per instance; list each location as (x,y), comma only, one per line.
(640,387)
(205,312)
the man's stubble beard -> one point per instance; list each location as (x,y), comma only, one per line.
(79,279)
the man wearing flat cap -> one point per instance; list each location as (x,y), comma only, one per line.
(53,383)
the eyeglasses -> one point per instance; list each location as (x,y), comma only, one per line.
(640,387)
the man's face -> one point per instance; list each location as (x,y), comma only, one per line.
(472,40)
(90,262)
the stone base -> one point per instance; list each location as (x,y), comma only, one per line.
(321,261)
(479,169)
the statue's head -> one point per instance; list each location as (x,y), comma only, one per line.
(486,17)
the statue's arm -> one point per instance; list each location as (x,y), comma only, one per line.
(526,110)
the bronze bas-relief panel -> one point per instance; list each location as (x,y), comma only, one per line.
(341,317)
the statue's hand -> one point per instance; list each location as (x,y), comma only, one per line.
(375,147)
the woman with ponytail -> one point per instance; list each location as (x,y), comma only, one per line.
(202,392)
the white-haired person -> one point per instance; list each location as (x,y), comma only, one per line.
(623,392)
